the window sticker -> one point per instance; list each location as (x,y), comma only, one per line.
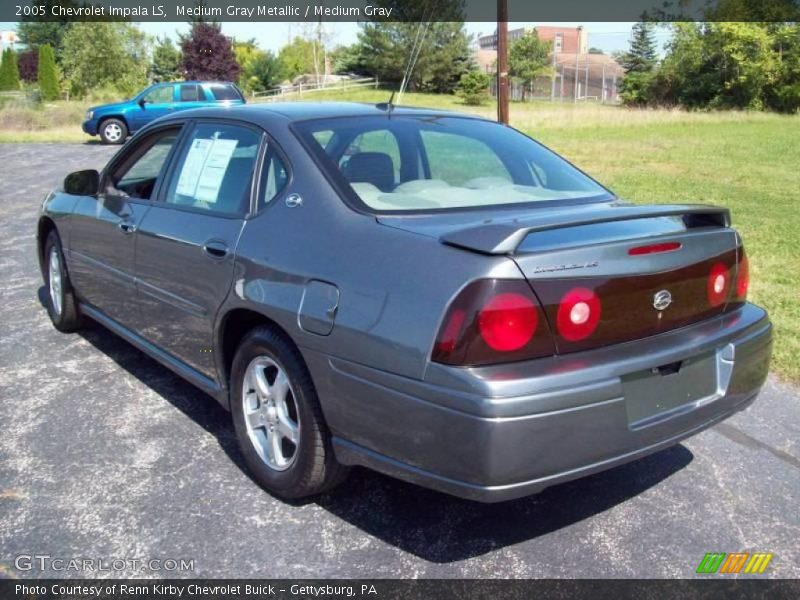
(204,168)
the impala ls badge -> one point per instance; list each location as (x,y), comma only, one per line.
(662,299)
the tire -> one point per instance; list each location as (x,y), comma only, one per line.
(61,303)
(113,131)
(286,468)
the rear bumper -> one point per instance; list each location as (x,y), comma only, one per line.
(497,433)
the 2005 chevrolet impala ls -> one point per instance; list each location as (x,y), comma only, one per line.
(431,295)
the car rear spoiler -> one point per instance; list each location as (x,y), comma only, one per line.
(504,237)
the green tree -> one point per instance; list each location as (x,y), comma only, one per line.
(783,92)
(297,57)
(528,58)
(434,55)
(473,88)
(639,63)
(49,87)
(104,55)
(9,72)
(349,59)
(264,72)
(166,63)
(34,32)
(721,65)
(641,56)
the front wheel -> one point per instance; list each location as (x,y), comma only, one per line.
(61,303)
(278,420)
(113,131)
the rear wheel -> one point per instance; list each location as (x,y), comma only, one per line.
(278,419)
(113,131)
(61,303)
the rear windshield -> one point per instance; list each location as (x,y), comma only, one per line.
(409,163)
(225,92)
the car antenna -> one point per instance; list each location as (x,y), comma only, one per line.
(387,106)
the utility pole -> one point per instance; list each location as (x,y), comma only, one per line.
(577,55)
(502,61)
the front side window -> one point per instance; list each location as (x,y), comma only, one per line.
(137,175)
(214,171)
(159,95)
(409,163)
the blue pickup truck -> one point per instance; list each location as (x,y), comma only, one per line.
(114,122)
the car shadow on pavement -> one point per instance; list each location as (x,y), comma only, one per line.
(195,404)
(441,529)
(428,524)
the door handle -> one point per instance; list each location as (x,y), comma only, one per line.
(126,227)
(216,249)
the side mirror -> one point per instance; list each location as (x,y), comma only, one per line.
(82,183)
(141,103)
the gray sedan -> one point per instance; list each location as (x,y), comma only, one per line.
(428,294)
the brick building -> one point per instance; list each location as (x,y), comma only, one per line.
(572,40)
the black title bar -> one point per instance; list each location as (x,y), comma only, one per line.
(384,589)
(399,10)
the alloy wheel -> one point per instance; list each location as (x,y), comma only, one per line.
(55,280)
(270,413)
(113,132)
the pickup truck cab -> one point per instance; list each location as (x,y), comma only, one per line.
(114,122)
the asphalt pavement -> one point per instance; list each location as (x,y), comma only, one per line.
(104,454)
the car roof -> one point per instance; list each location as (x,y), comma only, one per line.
(303,111)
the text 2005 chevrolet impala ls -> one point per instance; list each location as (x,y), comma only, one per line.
(434,296)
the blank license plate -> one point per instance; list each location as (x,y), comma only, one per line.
(649,393)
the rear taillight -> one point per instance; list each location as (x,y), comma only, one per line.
(742,277)
(508,322)
(718,284)
(493,321)
(578,314)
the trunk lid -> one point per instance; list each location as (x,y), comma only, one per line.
(649,269)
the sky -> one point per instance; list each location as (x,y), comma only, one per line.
(609,37)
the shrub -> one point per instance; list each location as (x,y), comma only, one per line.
(473,88)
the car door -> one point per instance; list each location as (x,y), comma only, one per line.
(104,227)
(156,102)
(185,250)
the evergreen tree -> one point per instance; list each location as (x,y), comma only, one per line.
(641,57)
(48,74)
(9,73)
(166,64)
(437,63)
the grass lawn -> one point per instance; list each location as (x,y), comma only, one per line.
(749,162)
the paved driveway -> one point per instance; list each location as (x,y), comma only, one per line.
(105,454)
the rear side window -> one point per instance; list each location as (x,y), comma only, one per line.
(225,92)
(214,171)
(274,177)
(190,93)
